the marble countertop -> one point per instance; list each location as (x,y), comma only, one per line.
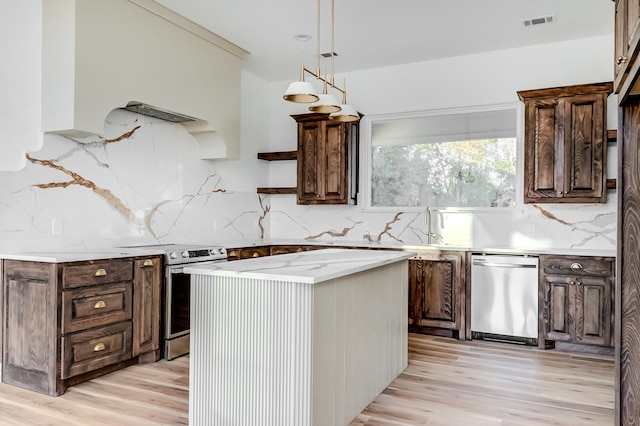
(309,267)
(432,247)
(82,255)
(70,255)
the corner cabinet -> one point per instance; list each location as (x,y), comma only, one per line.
(576,303)
(327,160)
(69,322)
(566,144)
(437,295)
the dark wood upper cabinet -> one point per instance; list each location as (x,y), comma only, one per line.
(327,160)
(627,46)
(566,144)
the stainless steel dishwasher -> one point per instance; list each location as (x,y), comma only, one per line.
(504,298)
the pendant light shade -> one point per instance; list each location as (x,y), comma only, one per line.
(301,91)
(327,103)
(346,114)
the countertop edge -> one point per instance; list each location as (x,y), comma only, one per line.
(311,267)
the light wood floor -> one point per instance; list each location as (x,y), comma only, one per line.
(447,383)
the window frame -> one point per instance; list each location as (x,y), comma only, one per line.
(366,125)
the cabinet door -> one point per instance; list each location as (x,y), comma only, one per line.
(627,43)
(559,308)
(435,292)
(310,151)
(593,311)
(325,149)
(584,148)
(29,327)
(544,154)
(146,296)
(334,164)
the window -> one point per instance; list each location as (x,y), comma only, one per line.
(443,159)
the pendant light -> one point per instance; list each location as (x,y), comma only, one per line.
(303,92)
(347,113)
(327,102)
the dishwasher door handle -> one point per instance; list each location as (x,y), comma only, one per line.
(503,265)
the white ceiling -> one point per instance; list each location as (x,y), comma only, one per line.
(378,33)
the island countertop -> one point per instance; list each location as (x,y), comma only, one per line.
(309,267)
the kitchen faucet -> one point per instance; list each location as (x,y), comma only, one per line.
(427,220)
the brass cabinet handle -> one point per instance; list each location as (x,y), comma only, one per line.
(147,262)
(575,266)
(621,60)
(233,253)
(99,305)
(572,283)
(99,347)
(100,273)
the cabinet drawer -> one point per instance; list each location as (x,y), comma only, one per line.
(96,273)
(90,307)
(95,348)
(578,266)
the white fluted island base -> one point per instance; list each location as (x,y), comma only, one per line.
(298,339)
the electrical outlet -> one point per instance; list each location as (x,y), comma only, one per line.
(56,226)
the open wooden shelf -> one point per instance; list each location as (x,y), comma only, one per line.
(278,156)
(292,190)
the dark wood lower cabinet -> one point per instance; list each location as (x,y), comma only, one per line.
(436,294)
(576,300)
(69,322)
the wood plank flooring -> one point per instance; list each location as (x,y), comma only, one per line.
(447,383)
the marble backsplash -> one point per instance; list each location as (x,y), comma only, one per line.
(144,183)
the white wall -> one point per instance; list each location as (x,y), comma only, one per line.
(474,80)
(159,190)
(21,47)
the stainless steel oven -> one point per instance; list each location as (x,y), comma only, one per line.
(177,292)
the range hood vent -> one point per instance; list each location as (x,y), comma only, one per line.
(151,111)
(174,70)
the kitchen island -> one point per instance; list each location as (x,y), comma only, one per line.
(297,339)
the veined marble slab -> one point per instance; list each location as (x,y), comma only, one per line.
(308,267)
(64,256)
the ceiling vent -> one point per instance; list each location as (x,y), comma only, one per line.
(539,21)
(328,54)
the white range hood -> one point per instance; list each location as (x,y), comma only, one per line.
(100,55)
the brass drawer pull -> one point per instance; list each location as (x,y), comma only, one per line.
(575,266)
(100,273)
(99,304)
(147,262)
(99,347)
